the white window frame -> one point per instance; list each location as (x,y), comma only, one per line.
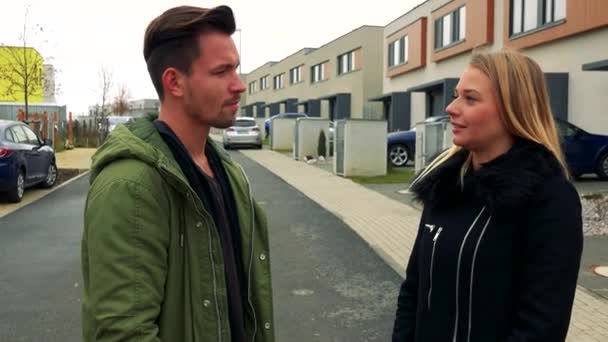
(453,28)
(295,74)
(400,54)
(278,81)
(531,15)
(318,74)
(346,62)
(264,82)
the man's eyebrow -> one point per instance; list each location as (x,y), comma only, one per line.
(226,65)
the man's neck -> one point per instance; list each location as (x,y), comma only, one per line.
(191,134)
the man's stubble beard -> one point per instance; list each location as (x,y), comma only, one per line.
(197,115)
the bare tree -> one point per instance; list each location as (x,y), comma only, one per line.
(121,100)
(105,85)
(23,71)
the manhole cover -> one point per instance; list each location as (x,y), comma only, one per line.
(303,292)
(601,271)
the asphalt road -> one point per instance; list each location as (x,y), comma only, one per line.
(40,268)
(328,284)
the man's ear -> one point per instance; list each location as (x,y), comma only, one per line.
(173,82)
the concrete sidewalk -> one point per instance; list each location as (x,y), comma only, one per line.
(389,227)
(79,158)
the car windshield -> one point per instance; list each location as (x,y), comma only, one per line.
(244,123)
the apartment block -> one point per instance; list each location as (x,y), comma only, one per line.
(333,81)
(426,50)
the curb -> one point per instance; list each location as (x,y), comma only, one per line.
(43,194)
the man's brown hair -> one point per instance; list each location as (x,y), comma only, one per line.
(171,39)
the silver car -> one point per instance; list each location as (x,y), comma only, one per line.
(244,132)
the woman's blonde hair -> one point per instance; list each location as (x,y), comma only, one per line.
(521,94)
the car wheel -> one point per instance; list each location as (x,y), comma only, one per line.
(398,155)
(51,176)
(226,147)
(602,167)
(259,147)
(15,195)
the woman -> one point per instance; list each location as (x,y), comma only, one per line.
(500,239)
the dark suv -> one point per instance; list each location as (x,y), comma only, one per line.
(25,160)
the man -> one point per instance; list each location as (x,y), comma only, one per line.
(174,247)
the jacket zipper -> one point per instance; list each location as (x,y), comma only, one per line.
(217,308)
(458,271)
(219,324)
(473,275)
(432,263)
(255,323)
(191,195)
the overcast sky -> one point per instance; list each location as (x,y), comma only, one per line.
(80,35)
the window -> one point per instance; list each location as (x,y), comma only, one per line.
(32,138)
(528,15)
(244,123)
(8,135)
(317,73)
(278,81)
(397,51)
(19,135)
(295,74)
(565,130)
(252,87)
(450,28)
(346,62)
(264,82)
(462,21)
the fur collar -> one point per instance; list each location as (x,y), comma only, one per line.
(504,184)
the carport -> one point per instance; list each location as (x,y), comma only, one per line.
(339,106)
(253,110)
(311,107)
(601,65)
(396,109)
(438,95)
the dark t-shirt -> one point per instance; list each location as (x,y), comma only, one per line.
(234,273)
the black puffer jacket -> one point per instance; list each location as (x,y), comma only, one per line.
(496,258)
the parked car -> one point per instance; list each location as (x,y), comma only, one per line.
(281,115)
(25,160)
(244,132)
(585,152)
(402,145)
(113,121)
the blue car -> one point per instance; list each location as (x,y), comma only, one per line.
(585,152)
(25,160)
(282,115)
(402,145)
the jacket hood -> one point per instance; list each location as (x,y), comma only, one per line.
(505,184)
(140,140)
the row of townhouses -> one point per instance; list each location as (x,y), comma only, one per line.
(407,70)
